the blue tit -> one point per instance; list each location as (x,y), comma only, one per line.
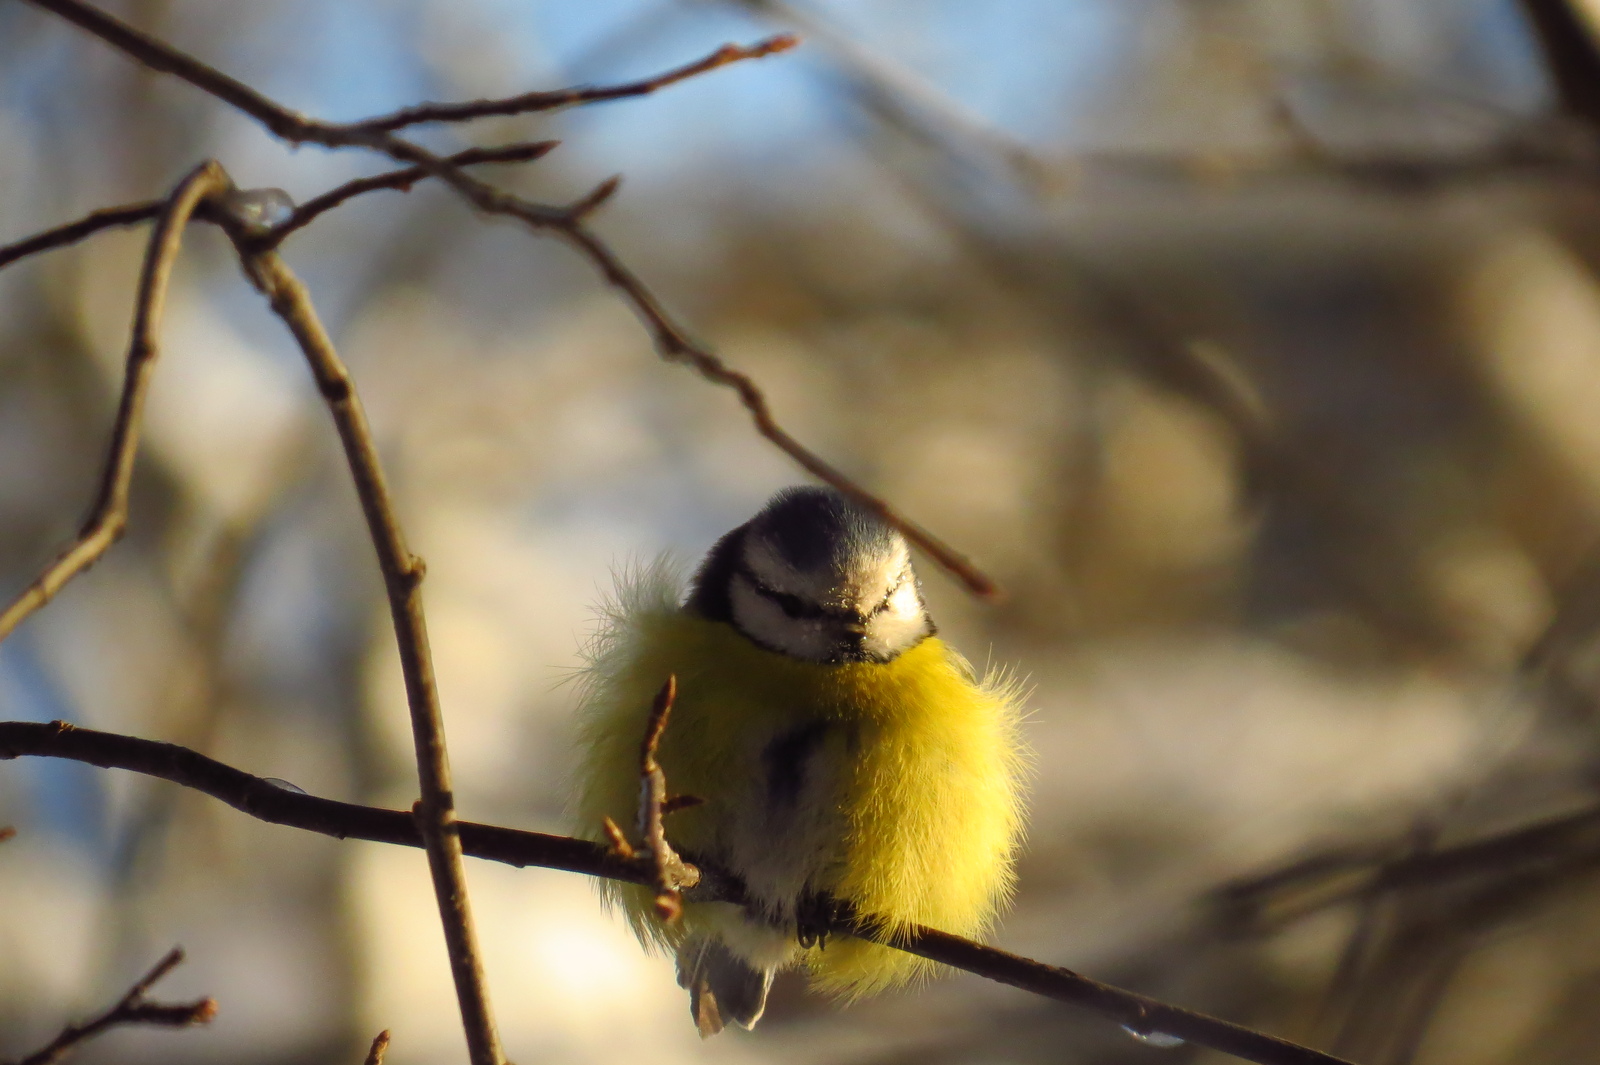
(843,753)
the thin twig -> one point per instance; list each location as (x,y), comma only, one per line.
(108,517)
(669,874)
(380,1046)
(132,1008)
(302,216)
(562,98)
(402,578)
(268,802)
(402,180)
(92,223)
(671,340)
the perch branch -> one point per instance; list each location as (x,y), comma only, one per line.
(268,802)
(671,340)
(108,517)
(132,1008)
(402,579)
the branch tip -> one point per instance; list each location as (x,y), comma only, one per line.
(596,198)
(380,1046)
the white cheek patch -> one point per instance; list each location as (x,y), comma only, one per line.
(864,590)
(901,624)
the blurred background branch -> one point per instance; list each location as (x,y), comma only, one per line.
(131,1008)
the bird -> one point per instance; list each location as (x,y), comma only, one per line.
(841,752)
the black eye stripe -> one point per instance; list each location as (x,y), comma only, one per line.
(889,597)
(792,605)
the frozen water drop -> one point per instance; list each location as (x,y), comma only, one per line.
(1153,1038)
(258,208)
(279,782)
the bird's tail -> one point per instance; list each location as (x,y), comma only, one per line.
(723,987)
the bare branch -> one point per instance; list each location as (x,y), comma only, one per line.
(671,340)
(108,518)
(105,218)
(268,802)
(402,578)
(563,98)
(302,216)
(132,1008)
(380,1046)
(1570,53)
(402,180)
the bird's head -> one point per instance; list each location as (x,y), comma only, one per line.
(818,577)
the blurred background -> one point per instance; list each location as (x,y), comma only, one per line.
(1252,345)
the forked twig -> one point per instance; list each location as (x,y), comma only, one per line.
(671,340)
(132,1008)
(302,216)
(108,517)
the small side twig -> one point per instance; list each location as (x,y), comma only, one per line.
(132,1008)
(563,98)
(380,1046)
(595,198)
(108,518)
(669,873)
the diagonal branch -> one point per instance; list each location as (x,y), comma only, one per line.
(132,1008)
(402,180)
(564,98)
(108,518)
(269,802)
(671,340)
(402,579)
